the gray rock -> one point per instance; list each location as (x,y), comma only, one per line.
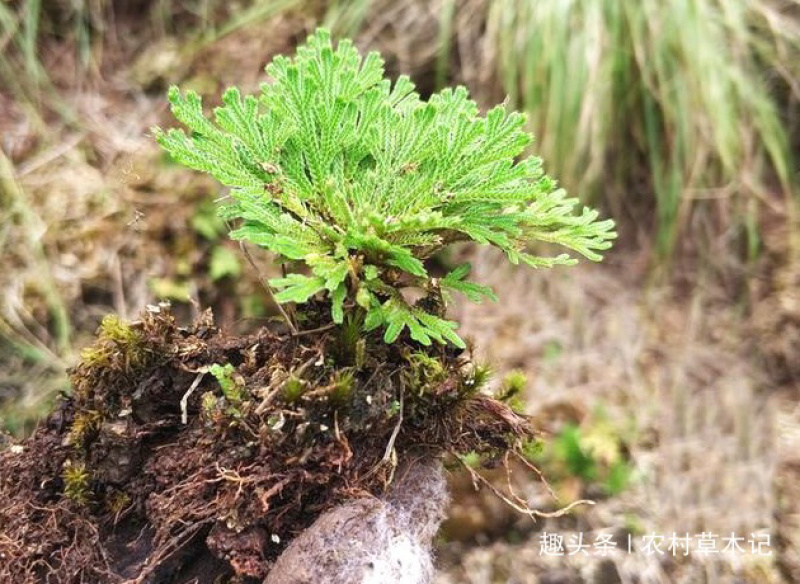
(372,541)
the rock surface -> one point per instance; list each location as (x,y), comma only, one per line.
(372,541)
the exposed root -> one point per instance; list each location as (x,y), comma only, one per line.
(187,395)
(512,499)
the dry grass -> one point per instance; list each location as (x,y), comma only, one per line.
(89,215)
(92,219)
(677,115)
(64,231)
(673,114)
(681,382)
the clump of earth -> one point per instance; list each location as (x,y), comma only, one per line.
(183,452)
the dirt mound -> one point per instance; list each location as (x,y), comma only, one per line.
(183,451)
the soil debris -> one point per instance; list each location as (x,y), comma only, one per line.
(183,447)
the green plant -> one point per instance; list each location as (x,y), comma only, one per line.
(592,452)
(116,337)
(577,459)
(361,180)
(228,383)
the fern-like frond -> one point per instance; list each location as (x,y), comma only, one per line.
(334,166)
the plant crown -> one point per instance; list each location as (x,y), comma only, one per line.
(361,180)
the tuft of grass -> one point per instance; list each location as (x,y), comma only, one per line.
(28,26)
(659,108)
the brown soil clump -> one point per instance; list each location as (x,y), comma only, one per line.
(186,452)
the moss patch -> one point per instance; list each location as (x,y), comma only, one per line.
(183,446)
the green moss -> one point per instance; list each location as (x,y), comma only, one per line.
(85,425)
(117,502)
(118,346)
(293,389)
(76,482)
(475,379)
(423,373)
(342,387)
(472,459)
(512,388)
(532,449)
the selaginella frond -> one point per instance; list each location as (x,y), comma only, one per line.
(335,166)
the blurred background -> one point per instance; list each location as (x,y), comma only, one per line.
(665,380)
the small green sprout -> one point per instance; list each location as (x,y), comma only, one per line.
(341,387)
(231,388)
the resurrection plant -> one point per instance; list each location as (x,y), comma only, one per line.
(361,180)
(217,451)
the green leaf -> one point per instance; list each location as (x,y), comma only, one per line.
(334,271)
(423,327)
(440,329)
(297,288)
(337,302)
(375,317)
(475,292)
(364,297)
